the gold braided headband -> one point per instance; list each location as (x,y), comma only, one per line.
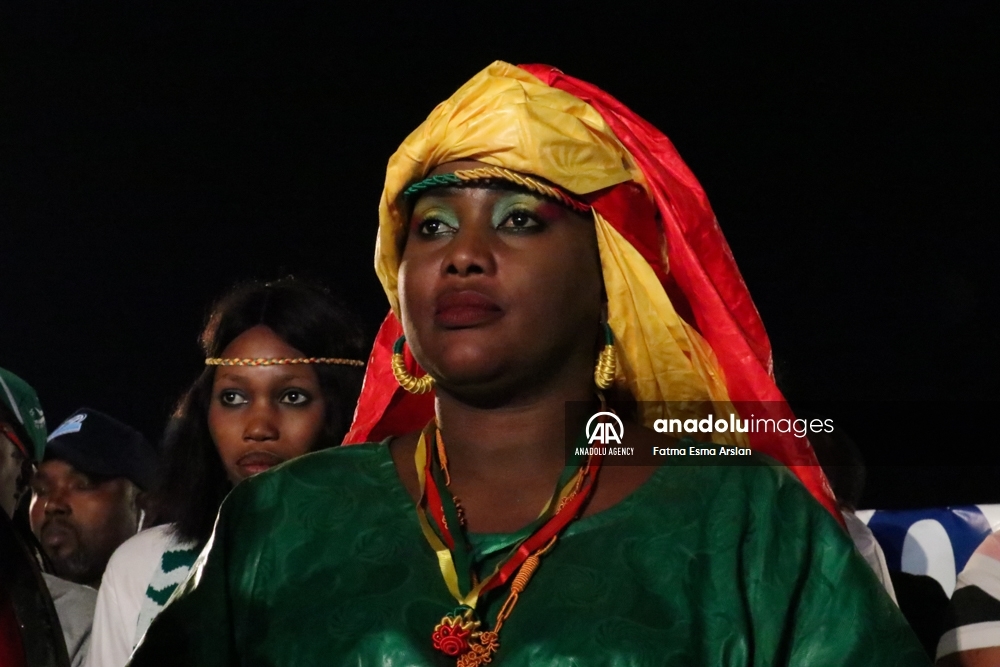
(218,361)
(485,173)
(523,181)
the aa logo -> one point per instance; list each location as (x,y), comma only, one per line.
(604,430)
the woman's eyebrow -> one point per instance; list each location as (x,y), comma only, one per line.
(430,203)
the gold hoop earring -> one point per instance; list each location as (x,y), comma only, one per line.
(604,372)
(411,383)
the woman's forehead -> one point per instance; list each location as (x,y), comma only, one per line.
(265,375)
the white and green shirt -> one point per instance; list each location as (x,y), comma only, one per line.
(141,576)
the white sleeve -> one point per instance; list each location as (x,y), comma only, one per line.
(120,596)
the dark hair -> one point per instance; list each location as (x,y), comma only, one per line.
(305,316)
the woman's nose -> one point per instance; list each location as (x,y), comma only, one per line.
(261,423)
(470,253)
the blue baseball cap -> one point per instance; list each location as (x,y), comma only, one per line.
(96,444)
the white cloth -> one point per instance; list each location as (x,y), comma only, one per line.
(124,610)
(866,544)
(74,605)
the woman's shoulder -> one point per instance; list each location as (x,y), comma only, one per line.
(692,463)
(334,464)
(347,469)
(704,478)
(758,481)
(310,503)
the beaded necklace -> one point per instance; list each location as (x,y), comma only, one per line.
(459,634)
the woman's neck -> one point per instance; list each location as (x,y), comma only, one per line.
(519,445)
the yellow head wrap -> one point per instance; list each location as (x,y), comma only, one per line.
(506,117)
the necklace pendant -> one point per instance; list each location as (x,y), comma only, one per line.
(453,635)
(458,636)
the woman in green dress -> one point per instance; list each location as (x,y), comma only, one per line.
(541,246)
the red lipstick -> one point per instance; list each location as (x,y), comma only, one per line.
(464,309)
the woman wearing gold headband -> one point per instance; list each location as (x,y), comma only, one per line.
(281,376)
(540,246)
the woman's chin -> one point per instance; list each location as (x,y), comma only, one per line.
(465,365)
(466,378)
(486,385)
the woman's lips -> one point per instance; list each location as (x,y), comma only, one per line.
(255,462)
(459,310)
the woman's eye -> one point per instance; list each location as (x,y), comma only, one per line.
(519,220)
(295,397)
(229,397)
(434,227)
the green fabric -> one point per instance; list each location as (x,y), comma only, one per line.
(22,402)
(170,561)
(321,562)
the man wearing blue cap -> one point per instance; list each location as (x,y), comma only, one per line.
(85,495)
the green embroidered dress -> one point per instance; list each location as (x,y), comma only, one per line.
(322,562)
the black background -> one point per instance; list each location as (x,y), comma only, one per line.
(153,156)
